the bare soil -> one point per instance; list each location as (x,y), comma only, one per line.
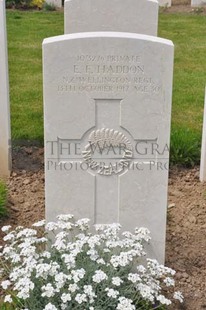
(186,224)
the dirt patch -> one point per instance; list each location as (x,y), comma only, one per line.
(186,227)
(186,235)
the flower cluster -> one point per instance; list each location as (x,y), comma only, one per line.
(63,265)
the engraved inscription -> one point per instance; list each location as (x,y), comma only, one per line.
(110,73)
(102,141)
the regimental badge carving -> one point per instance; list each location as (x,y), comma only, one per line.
(104,143)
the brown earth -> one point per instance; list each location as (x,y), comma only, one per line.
(186,227)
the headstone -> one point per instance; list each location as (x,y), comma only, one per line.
(5,162)
(55,3)
(107,105)
(196,3)
(136,16)
(165,3)
(203,149)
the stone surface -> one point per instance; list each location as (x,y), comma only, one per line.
(203,149)
(136,16)
(55,3)
(107,106)
(196,3)
(5,155)
(166,3)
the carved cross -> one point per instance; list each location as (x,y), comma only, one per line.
(107,134)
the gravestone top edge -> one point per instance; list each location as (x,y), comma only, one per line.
(155,1)
(106,34)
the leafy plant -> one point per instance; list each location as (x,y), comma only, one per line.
(49,7)
(82,270)
(184,148)
(3,198)
(37,3)
(25,4)
(198,10)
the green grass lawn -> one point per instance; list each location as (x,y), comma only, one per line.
(26,31)
(188,32)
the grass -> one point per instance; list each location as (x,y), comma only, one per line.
(188,33)
(26,31)
(3,198)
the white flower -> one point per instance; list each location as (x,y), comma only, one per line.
(178,295)
(8,299)
(60,279)
(8,237)
(46,254)
(65,217)
(43,270)
(112,293)
(93,254)
(145,291)
(80,269)
(141,269)
(80,298)
(5,284)
(24,285)
(65,225)
(83,224)
(63,306)
(116,281)
(163,300)
(99,276)
(125,303)
(124,259)
(101,261)
(48,290)
(143,233)
(78,274)
(50,307)
(73,287)
(65,297)
(88,290)
(39,224)
(169,281)
(6,228)
(26,232)
(51,226)
(134,277)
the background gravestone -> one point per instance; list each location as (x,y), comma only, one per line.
(196,3)
(5,162)
(107,105)
(203,149)
(55,3)
(136,16)
(166,3)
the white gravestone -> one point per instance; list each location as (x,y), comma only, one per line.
(166,3)
(203,149)
(5,161)
(196,3)
(136,16)
(55,3)
(107,105)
